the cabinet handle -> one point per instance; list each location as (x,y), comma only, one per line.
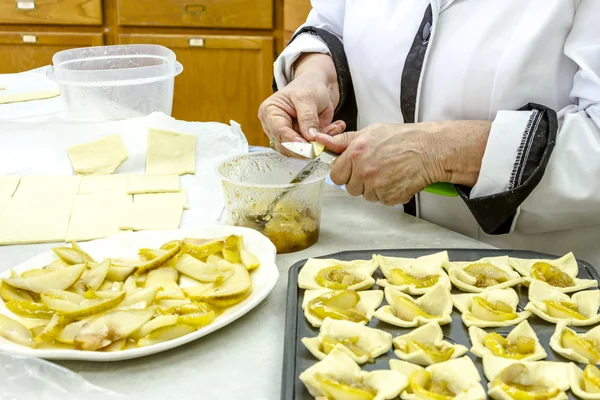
(26,5)
(195,9)
(196,42)
(29,38)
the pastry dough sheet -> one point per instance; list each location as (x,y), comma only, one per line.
(17,98)
(100,157)
(8,185)
(170,153)
(153,214)
(140,184)
(149,197)
(96,216)
(94,184)
(47,185)
(35,219)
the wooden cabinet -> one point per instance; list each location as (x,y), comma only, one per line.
(227,47)
(21,51)
(224,77)
(257,14)
(59,12)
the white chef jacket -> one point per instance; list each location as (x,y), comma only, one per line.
(485,60)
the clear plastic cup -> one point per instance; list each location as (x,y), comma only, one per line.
(115,82)
(251,182)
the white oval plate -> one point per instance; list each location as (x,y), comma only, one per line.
(126,245)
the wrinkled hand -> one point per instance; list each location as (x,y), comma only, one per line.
(304,107)
(390,163)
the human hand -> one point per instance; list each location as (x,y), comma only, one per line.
(305,106)
(390,163)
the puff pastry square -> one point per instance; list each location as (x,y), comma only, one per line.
(369,301)
(478,336)
(357,275)
(494,267)
(464,304)
(583,348)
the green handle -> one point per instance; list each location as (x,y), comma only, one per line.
(442,188)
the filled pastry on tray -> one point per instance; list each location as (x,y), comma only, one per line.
(551,305)
(426,346)
(361,343)
(338,377)
(492,308)
(335,274)
(585,384)
(515,379)
(345,305)
(560,273)
(583,348)
(414,275)
(477,276)
(404,311)
(520,344)
(456,379)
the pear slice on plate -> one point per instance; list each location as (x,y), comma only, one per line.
(15,331)
(165,333)
(58,279)
(232,290)
(93,278)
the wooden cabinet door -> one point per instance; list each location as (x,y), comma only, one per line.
(52,12)
(22,51)
(224,77)
(294,15)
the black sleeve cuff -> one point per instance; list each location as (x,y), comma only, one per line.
(495,213)
(346,109)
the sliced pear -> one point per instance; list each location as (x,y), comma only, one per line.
(337,390)
(9,293)
(57,279)
(118,273)
(78,288)
(423,388)
(160,279)
(15,332)
(73,256)
(111,286)
(318,148)
(437,354)
(329,343)
(407,310)
(506,381)
(52,329)
(101,294)
(233,290)
(119,345)
(553,276)
(140,298)
(35,272)
(57,264)
(198,270)
(584,347)
(591,379)
(191,308)
(172,303)
(142,266)
(231,256)
(171,273)
(563,309)
(68,334)
(487,311)
(499,346)
(61,301)
(93,278)
(248,260)
(156,323)
(338,304)
(102,331)
(29,309)
(165,333)
(198,320)
(201,249)
(486,274)
(336,278)
(399,278)
(90,307)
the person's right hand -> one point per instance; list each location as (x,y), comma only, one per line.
(305,106)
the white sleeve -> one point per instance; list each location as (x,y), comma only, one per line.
(325,14)
(568,195)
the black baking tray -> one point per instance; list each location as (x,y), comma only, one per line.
(297,358)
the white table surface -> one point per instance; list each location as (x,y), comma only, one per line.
(244,359)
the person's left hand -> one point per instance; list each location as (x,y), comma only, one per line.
(390,163)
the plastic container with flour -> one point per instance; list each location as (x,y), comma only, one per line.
(115,82)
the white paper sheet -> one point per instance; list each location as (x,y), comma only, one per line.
(40,147)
